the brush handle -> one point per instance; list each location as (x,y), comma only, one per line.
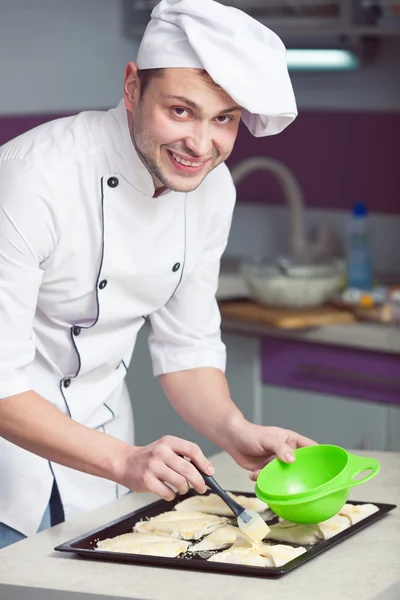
(213,485)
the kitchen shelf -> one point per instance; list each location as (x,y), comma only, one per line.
(352,22)
(350,31)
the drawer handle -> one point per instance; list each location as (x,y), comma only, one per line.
(338,374)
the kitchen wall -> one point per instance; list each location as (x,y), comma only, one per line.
(59,58)
(342,148)
(376,87)
(338,158)
(66,56)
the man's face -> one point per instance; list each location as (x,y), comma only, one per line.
(183,126)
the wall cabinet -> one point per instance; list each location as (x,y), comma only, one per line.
(274,383)
(332,370)
(334,395)
(328,419)
(394,429)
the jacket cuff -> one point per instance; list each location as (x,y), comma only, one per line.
(13,386)
(170,361)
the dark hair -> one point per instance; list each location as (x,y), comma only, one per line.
(145,77)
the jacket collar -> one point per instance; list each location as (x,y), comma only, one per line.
(121,152)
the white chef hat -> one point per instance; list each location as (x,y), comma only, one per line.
(244,57)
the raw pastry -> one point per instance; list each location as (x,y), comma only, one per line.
(358,512)
(284,531)
(350,514)
(213,504)
(334,525)
(242,555)
(186,525)
(280,554)
(246,552)
(144,543)
(294,533)
(217,540)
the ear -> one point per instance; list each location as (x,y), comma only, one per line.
(131,86)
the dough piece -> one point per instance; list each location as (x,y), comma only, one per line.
(350,514)
(185,525)
(294,533)
(246,552)
(144,543)
(217,540)
(358,512)
(334,525)
(285,531)
(280,554)
(214,505)
(242,555)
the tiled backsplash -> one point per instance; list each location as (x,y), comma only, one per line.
(264,232)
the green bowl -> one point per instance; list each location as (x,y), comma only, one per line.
(316,486)
(313,510)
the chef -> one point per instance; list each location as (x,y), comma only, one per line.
(108,220)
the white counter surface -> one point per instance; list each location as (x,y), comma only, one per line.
(364,567)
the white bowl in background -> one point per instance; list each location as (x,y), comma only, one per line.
(301,286)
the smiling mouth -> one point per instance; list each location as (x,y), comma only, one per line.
(191,167)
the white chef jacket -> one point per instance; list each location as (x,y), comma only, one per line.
(86,256)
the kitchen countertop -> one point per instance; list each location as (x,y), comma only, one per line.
(364,567)
(364,336)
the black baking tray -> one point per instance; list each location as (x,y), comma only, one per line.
(84,545)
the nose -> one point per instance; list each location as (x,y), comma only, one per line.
(200,142)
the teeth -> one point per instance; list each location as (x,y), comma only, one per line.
(186,163)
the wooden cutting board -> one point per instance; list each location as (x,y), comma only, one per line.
(286,318)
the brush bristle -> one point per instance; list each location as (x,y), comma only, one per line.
(255,527)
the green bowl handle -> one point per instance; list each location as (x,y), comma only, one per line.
(358,464)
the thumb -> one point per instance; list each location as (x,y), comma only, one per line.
(254,475)
(285,453)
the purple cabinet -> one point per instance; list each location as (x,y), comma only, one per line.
(331,370)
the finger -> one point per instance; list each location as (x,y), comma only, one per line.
(302,441)
(159,488)
(284,452)
(188,471)
(193,452)
(173,477)
(255,474)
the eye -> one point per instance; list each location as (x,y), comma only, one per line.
(180,111)
(224,119)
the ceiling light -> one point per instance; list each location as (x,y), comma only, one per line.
(321,60)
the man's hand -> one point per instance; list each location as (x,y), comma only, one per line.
(149,468)
(253,446)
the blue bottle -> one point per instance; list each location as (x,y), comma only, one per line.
(359,261)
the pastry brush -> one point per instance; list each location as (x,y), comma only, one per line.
(249,521)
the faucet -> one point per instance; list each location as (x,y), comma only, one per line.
(300,247)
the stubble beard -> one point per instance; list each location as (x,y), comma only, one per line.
(142,141)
